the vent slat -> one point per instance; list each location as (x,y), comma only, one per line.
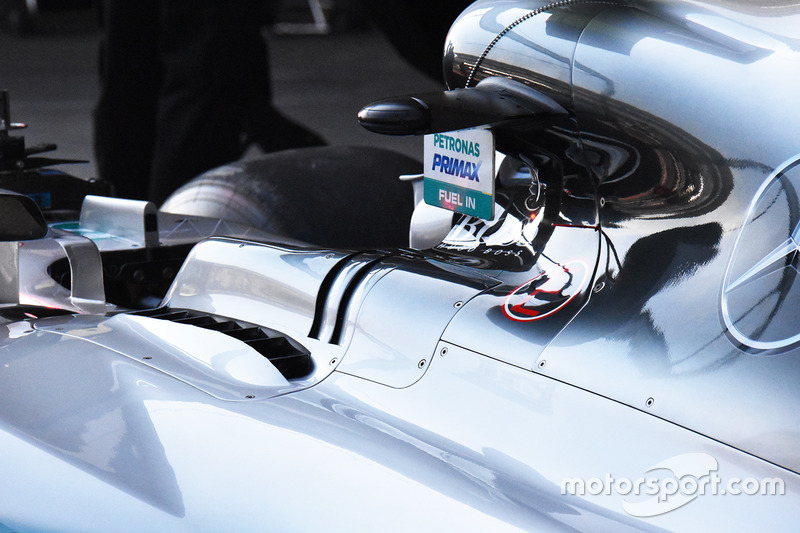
(291,360)
(277,347)
(163,314)
(248,333)
(293,367)
(201,321)
(226,327)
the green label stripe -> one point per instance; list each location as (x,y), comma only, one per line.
(459,199)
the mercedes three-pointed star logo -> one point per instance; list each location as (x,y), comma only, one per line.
(759,300)
(786,251)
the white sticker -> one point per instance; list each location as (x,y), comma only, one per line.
(459,171)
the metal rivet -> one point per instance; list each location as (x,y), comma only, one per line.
(330,256)
(242,245)
(146,357)
(334,361)
(249,396)
(458,304)
(542,363)
(599,287)
(444,351)
(59,329)
(602,202)
(421,364)
(650,402)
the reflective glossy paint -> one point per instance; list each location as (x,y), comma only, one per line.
(684,114)
(627,316)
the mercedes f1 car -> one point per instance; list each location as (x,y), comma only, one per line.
(593,328)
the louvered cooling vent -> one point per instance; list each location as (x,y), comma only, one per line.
(289,358)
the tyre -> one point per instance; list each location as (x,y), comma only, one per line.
(333,196)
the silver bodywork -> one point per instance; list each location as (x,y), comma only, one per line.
(436,399)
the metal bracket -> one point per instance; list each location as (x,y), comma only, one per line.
(9,272)
(86,270)
(134,220)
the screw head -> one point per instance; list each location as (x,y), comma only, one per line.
(458,304)
(650,402)
(146,357)
(334,361)
(542,363)
(422,363)
(599,287)
(444,351)
(250,396)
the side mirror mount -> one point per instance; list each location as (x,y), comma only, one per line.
(500,103)
(20,220)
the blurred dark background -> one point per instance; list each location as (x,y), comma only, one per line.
(328,59)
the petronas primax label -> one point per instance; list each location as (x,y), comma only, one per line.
(459,171)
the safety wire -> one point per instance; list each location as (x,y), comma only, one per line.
(523,18)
